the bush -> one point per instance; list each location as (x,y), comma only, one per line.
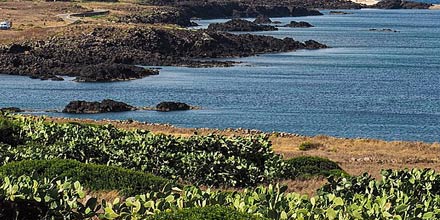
(92,176)
(8,131)
(308,146)
(205,213)
(211,160)
(308,166)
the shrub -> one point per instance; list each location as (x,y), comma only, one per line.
(8,131)
(308,146)
(309,166)
(205,213)
(211,160)
(92,176)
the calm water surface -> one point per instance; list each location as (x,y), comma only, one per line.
(369,84)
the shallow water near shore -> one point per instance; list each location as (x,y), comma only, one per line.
(370,84)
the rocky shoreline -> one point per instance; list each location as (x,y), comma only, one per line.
(110,53)
(240,25)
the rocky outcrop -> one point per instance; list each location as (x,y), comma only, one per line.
(160,16)
(339,13)
(172,106)
(232,9)
(301,24)
(383,30)
(11,110)
(240,25)
(399,4)
(313,45)
(111,53)
(113,72)
(262,19)
(107,105)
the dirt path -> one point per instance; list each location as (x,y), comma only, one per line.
(74,17)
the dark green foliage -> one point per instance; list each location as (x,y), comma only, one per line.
(8,131)
(92,176)
(308,146)
(211,160)
(22,209)
(308,166)
(205,213)
(418,183)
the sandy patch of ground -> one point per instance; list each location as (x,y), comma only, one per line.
(366,2)
(435,7)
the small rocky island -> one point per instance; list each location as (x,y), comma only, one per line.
(339,13)
(107,105)
(240,25)
(263,19)
(113,72)
(301,24)
(173,106)
(383,30)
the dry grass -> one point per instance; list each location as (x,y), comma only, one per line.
(40,20)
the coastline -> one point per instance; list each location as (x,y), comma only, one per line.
(356,156)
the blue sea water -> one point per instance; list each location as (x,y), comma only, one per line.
(429,1)
(369,84)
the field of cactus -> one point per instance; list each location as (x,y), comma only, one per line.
(49,168)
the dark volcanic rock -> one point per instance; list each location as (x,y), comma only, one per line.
(110,53)
(312,45)
(113,72)
(16,48)
(262,19)
(301,24)
(339,13)
(107,105)
(172,106)
(240,25)
(11,109)
(383,30)
(399,4)
(231,9)
(164,16)
(225,5)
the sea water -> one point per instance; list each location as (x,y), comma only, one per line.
(369,84)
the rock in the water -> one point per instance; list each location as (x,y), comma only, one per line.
(262,19)
(172,106)
(383,30)
(11,109)
(107,105)
(113,72)
(313,45)
(240,25)
(339,13)
(301,24)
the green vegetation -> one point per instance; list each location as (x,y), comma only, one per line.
(308,146)
(93,177)
(202,160)
(54,190)
(205,213)
(406,194)
(308,166)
